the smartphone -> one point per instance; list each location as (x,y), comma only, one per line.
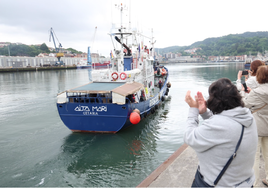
(245,72)
(245,87)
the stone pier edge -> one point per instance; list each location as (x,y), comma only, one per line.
(147,181)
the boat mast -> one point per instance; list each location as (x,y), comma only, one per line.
(129,16)
(153,44)
(120,68)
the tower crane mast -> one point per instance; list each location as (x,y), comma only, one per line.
(59,54)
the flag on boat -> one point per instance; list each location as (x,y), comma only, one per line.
(139,51)
(111,54)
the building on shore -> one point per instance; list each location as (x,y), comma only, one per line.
(185,59)
(20,62)
(43,60)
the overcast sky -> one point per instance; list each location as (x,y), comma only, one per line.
(174,22)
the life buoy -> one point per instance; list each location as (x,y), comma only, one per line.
(114,76)
(164,72)
(123,76)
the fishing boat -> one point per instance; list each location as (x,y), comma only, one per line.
(247,64)
(121,95)
(83,64)
(94,62)
(104,63)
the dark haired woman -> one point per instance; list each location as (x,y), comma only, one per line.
(256,101)
(250,79)
(216,139)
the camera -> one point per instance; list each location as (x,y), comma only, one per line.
(245,72)
(245,87)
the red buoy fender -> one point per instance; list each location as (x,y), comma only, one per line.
(164,71)
(123,76)
(134,118)
(114,76)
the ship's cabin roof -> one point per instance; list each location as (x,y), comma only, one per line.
(96,87)
(121,88)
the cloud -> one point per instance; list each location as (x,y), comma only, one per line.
(174,22)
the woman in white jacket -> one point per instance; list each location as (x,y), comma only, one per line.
(250,79)
(256,101)
(215,140)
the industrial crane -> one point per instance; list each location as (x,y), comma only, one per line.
(59,54)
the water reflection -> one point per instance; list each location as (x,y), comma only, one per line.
(97,157)
(207,71)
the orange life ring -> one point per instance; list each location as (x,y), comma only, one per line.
(123,77)
(164,72)
(114,78)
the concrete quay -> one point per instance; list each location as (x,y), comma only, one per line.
(23,69)
(179,170)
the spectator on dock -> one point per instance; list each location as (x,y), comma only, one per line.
(256,101)
(217,138)
(250,78)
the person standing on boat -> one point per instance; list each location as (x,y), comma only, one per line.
(217,138)
(256,101)
(250,79)
(160,84)
(131,98)
(142,97)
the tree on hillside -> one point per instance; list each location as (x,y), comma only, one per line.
(44,48)
(25,50)
(74,51)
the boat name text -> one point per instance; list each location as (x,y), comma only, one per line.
(153,101)
(93,111)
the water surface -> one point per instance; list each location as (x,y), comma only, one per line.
(37,150)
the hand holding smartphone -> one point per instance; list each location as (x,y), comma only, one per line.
(245,72)
(245,87)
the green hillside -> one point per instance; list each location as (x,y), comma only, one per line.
(26,50)
(233,44)
(230,45)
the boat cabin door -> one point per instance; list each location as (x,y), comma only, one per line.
(127,63)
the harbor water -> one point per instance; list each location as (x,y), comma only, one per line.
(37,150)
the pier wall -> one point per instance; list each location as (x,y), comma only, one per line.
(20,62)
(179,170)
(185,59)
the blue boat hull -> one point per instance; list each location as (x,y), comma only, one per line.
(81,117)
(106,117)
(247,66)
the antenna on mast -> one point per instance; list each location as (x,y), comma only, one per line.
(129,15)
(93,39)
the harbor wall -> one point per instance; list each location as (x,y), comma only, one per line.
(185,59)
(20,62)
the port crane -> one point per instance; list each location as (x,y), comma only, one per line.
(58,50)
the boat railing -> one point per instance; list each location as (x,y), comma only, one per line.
(83,99)
(89,99)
